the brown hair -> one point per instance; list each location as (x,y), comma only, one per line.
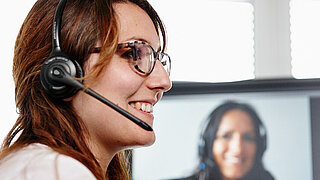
(43,119)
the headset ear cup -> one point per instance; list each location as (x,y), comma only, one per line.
(263,139)
(264,143)
(201,147)
(55,89)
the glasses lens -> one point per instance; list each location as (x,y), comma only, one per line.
(166,62)
(144,58)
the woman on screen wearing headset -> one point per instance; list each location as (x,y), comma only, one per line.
(119,45)
(232,145)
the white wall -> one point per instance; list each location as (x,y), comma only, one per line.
(272,39)
(12,14)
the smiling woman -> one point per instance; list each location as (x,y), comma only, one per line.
(61,132)
(232,145)
(234,148)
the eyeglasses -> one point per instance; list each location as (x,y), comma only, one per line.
(142,57)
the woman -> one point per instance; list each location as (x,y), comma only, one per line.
(232,145)
(117,44)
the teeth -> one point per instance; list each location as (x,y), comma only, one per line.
(233,159)
(138,105)
(145,107)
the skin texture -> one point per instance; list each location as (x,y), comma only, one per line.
(234,148)
(109,131)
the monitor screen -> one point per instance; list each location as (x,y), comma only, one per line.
(288,108)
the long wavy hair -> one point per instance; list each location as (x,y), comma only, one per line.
(208,167)
(53,122)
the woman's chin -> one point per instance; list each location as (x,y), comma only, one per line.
(145,140)
(235,175)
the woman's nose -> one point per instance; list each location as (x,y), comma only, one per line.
(159,78)
(236,145)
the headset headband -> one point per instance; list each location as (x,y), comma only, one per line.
(56,29)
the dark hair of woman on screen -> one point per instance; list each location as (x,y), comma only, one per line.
(232,145)
(120,47)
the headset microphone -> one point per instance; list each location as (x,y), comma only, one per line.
(58,73)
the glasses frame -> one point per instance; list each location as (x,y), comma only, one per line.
(158,55)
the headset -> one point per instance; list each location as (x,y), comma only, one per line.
(58,63)
(58,73)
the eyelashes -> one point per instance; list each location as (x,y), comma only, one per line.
(142,57)
(128,53)
(135,53)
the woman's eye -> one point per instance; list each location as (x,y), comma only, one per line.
(225,136)
(128,54)
(249,138)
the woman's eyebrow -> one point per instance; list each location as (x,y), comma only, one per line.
(224,132)
(134,38)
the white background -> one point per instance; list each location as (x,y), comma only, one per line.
(12,14)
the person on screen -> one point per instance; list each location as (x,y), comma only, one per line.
(120,46)
(232,145)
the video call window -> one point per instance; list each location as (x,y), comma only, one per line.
(288,108)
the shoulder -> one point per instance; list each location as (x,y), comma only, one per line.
(269,176)
(259,174)
(38,161)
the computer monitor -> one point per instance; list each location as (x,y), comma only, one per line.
(289,108)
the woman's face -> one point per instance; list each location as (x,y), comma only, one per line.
(110,131)
(234,148)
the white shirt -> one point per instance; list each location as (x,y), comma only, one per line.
(38,161)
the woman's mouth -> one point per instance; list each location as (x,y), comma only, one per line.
(233,160)
(145,107)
